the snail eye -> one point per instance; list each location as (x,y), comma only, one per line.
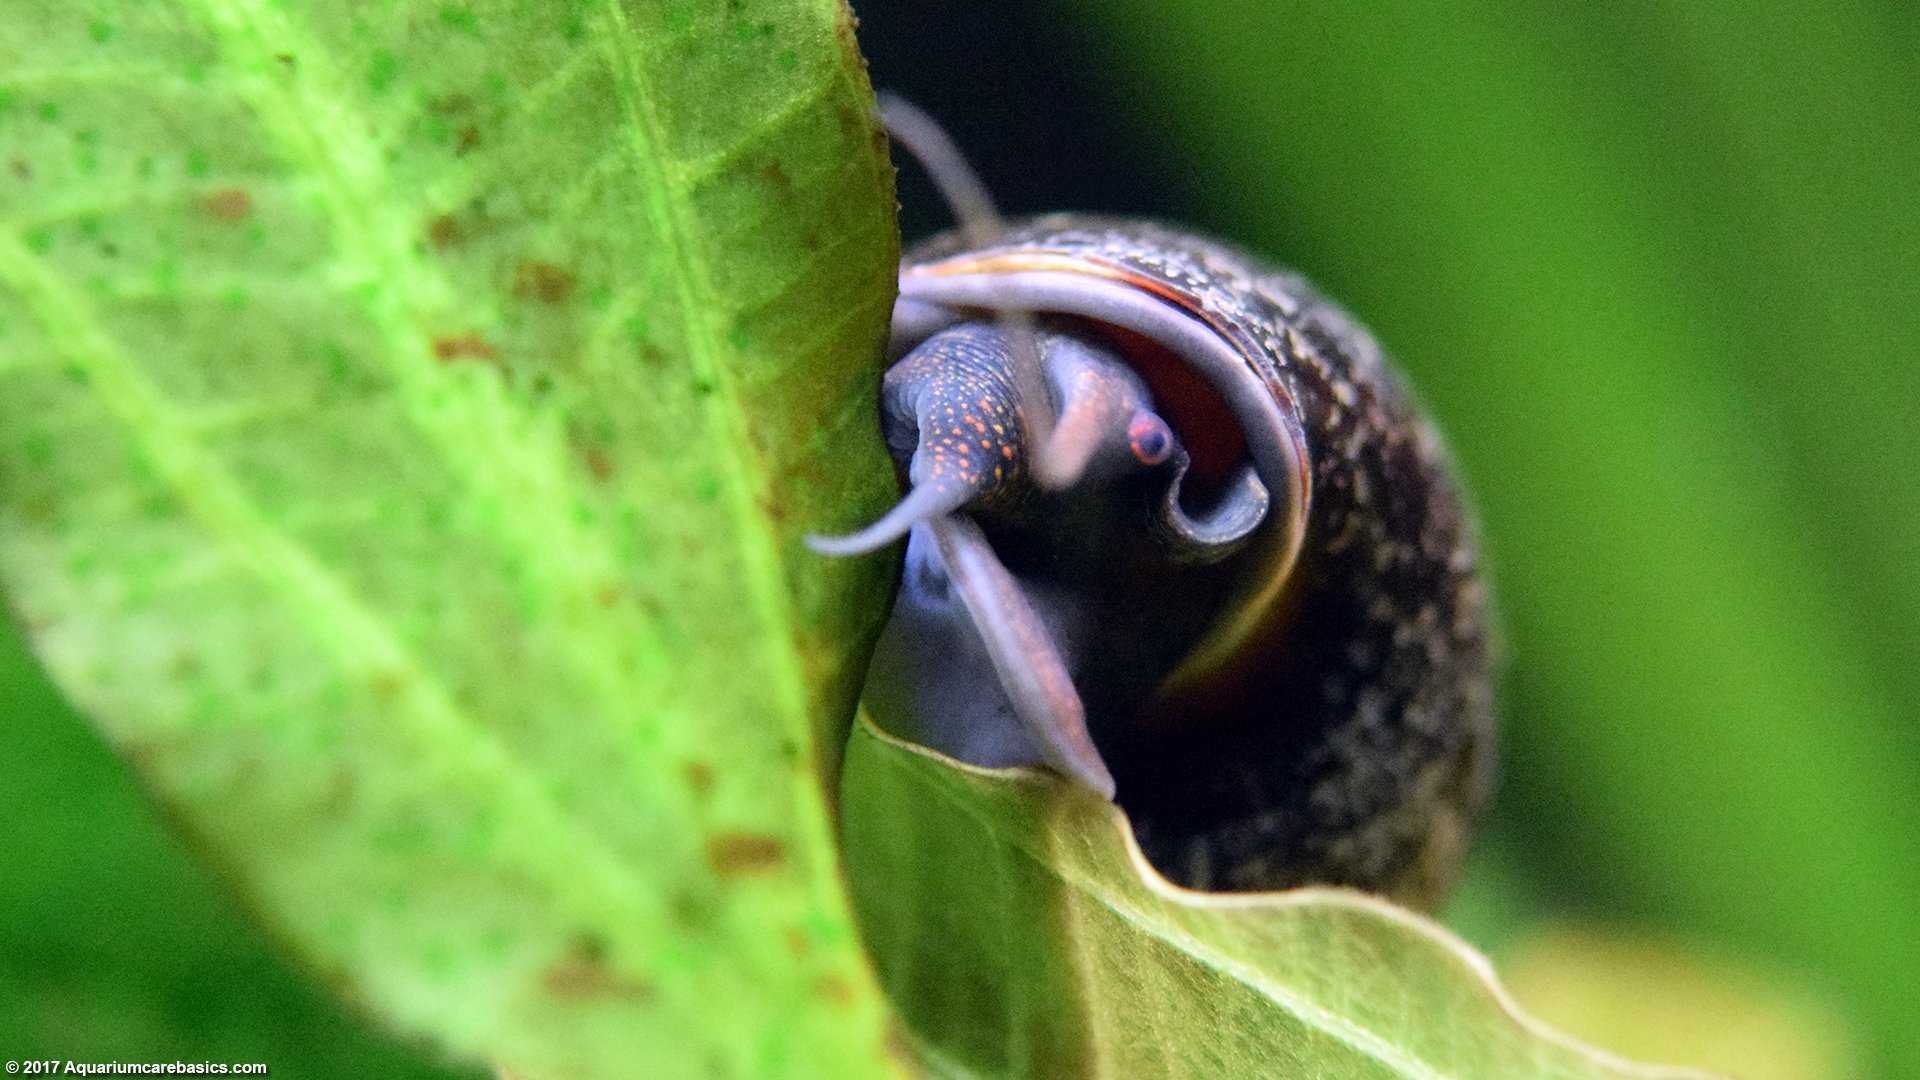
(1150,439)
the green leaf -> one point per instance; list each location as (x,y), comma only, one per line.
(1021,934)
(116,944)
(408,418)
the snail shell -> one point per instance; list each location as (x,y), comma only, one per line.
(1252,615)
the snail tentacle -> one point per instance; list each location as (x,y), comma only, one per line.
(981,223)
(1024,655)
(1100,400)
(953,404)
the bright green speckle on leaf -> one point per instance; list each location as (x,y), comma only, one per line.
(787,60)
(679,18)
(460,18)
(235,298)
(100,31)
(383,70)
(146,167)
(199,163)
(40,240)
(339,368)
(166,276)
(638,328)
(38,448)
(707,488)
(76,374)
(6,101)
(573,30)
(823,927)
(89,155)
(50,112)
(140,465)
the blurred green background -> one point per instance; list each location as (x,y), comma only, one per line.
(1656,267)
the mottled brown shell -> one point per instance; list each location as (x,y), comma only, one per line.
(1348,737)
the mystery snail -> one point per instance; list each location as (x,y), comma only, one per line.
(1177,531)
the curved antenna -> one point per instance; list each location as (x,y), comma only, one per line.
(973,210)
(924,503)
(981,226)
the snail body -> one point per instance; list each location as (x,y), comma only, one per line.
(1239,592)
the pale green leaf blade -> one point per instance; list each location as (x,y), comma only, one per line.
(1020,934)
(117,944)
(408,415)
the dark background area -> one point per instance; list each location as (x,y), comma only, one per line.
(1017,92)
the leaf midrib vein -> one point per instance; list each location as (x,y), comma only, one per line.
(545,534)
(699,310)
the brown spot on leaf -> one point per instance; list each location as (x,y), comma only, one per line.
(21,168)
(451,347)
(387,685)
(797,942)
(776,175)
(450,103)
(699,776)
(597,463)
(229,204)
(541,281)
(444,232)
(338,795)
(285,59)
(584,972)
(848,119)
(834,990)
(732,854)
(466,140)
(607,596)
(899,1046)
